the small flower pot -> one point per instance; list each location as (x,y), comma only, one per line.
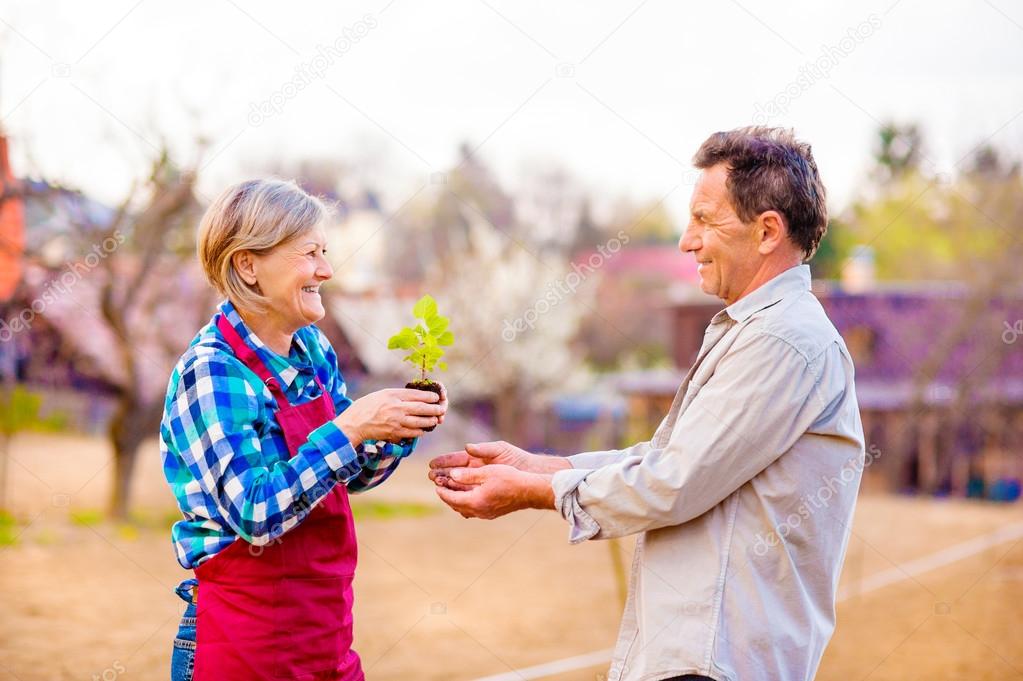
(429,386)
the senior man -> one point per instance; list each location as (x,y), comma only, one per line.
(744,496)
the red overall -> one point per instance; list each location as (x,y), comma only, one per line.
(283,610)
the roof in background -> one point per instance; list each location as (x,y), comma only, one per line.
(368,323)
(663,260)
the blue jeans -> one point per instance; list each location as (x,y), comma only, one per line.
(183,657)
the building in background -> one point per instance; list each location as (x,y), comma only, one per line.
(938,379)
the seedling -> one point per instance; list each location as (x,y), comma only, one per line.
(424,343)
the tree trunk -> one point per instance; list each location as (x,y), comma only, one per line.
(132,423)
(124,467)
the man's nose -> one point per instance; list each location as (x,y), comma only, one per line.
(690,240)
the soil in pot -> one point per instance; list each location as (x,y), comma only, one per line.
(429,386)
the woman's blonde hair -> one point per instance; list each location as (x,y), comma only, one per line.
(256,216)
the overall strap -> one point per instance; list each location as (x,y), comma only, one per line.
(250,359)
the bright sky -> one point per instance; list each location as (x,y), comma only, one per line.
(621,94)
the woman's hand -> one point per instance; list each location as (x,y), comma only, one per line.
(443,401)
(390,415)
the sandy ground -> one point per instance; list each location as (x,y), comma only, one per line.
(439,597)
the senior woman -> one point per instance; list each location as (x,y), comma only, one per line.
(261,446)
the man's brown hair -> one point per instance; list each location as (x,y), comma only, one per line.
(769,169)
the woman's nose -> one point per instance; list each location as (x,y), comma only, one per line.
(324,270)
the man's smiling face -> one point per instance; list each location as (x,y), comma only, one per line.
(724,246)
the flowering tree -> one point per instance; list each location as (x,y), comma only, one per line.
(516,319)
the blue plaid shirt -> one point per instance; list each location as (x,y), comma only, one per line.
(224,454)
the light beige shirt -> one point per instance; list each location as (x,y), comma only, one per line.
(743,499)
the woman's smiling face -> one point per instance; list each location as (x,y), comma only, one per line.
(290,276)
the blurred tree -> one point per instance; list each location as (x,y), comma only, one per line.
(989,163)
(827,261)
(470,183)
(966,230)
(898,150)
(149,305)
(588,234)
(646,224)
(515,342)
(922,227)
(549,200)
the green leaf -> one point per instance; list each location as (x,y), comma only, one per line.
(442,366)
(425,306)
(404,340)
(424,340)
(438,325)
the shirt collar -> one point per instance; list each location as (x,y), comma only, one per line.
(287,369)
(792,280)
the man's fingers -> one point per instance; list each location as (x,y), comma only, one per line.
(456,499)
(442,476)
(450,460)
(486,450)
(444,480)
(469,476)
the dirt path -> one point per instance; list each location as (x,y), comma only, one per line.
(439,597)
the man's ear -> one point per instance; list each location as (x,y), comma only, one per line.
(771,230)
(245,265)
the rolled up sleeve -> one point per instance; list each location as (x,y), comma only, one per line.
(592,460)
(761,398)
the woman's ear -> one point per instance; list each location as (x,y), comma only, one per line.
(245,265)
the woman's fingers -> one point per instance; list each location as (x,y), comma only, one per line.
(409,395)
(420,422)
(423,409)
